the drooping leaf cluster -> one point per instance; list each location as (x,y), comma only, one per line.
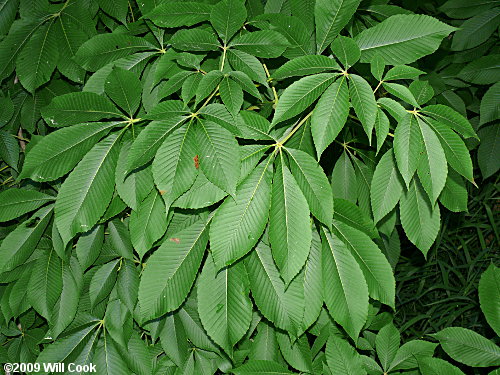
(201,187)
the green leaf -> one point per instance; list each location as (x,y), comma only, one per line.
(102,49)
(84,195)
(407,355)
(16,202)
(223,303)
(89,246)
(218,155)
(381,128)
(9,149)
(344,286)
(490,110)
(364,103)
(128,284)
(115,8)
(407,146)
(476,30)
(135,186)
(454,195)
(102,282)
(150,140)
(468,347)
(289,223)
(171,270)
(330,18)
(401,92)
(37,60)
(174,169)
(313,183)
(489,296)
(65,310)
(455,150)
(387,344)
(374,265)
(176,13)
(255,367)
(148,223)
(435,366)
(344,183)
(341,357)
(432,168)
(305,65)
(386,187)
(451,118)
(227,17)
(201,194)
(264,43)
(220,115)
(253,126)
(194,40)
(282,306)
(58,152)
(402,72)
(420,219)
(231,95)
(422,91)
(46,283)
(488,154)
(19,244)
(397,43)
(346,51)
(208,84)
(330,115)
(77,108)
(350,214)
(246,83)
(238,223)
(300,95)
(248,64)
(124,88)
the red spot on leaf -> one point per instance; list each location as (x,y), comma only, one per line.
(176,240)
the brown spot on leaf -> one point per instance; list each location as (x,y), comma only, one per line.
(196,162)
(162,192)
(175,239)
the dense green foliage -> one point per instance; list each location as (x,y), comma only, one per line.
(250,187)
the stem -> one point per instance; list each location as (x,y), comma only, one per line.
(131,12)
(223,60)
(208,99)
(269,79)
(301,122)
(376,88)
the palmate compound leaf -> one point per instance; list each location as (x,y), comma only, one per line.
(223,303)
(239,222)
(84,195)
(397,43)
(420,219)
(489,296)
(373,263)
(171,270)
(289,223)
(174,167)
(344,286)
(16,202)
(58,152)
(468,347)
